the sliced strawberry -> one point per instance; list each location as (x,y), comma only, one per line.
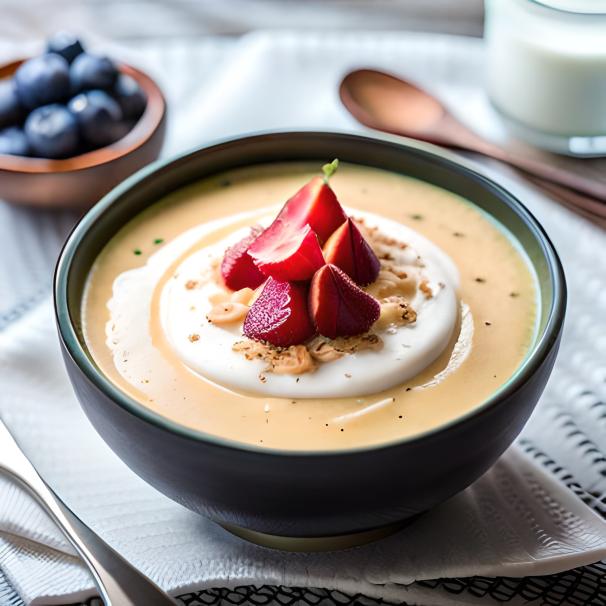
(280,315)
(348,250)
(338,307)
(286,253)
(237,268)
(316,205)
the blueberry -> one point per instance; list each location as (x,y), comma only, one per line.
(130,96)
(13,141)
(42,80)
(11,111)
(92,71)
(66,45)
(52,132)
(99,117)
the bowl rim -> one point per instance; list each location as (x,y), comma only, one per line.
(534,358)
(137,136)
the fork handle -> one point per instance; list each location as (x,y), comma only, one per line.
(119,583)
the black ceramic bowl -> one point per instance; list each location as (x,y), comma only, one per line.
(306,494)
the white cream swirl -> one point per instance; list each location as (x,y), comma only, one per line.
(407,349)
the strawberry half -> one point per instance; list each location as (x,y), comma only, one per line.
(280,315)
(237,268)
(338,307)
(348,250)
(286,253)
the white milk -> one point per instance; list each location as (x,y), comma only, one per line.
(546,65)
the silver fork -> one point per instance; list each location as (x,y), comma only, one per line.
(119,583)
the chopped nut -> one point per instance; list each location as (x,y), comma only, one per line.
(396,270)
(250,349)
(243,295)
(219,297)
(323,351)
(293,360)
(388,283)
(328,350)
(227,313)
(395,311)
(191,284)
(194,337)
(426,289)
(385,255)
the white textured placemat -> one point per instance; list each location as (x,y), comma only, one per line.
(287,81)
(515,521)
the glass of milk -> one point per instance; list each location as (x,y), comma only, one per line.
(546,71)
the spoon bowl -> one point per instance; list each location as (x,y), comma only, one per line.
(385,102)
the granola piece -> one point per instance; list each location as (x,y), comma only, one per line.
(227,312)
(389,284)
(398,270)
(395,311)
(251,349)
(293,360)
(244,295)
(328,350)
(323,350)
(219,297)
(426,289)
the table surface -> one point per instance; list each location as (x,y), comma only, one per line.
(30,242)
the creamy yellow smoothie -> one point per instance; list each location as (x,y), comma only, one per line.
(467,291)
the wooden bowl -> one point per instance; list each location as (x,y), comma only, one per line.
(80,181)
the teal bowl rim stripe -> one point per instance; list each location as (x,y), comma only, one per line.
(539,351)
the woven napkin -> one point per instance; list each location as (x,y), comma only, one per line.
(516,520)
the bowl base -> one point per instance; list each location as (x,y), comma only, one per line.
(316,544)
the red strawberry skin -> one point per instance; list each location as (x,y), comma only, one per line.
(348,250)
(280,315)
(316,205)
(338,307)
(287,254)
(237,268)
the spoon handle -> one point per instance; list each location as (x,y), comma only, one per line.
(119,583)
(454,134)
(590,208)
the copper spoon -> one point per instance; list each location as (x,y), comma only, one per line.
(387,103)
